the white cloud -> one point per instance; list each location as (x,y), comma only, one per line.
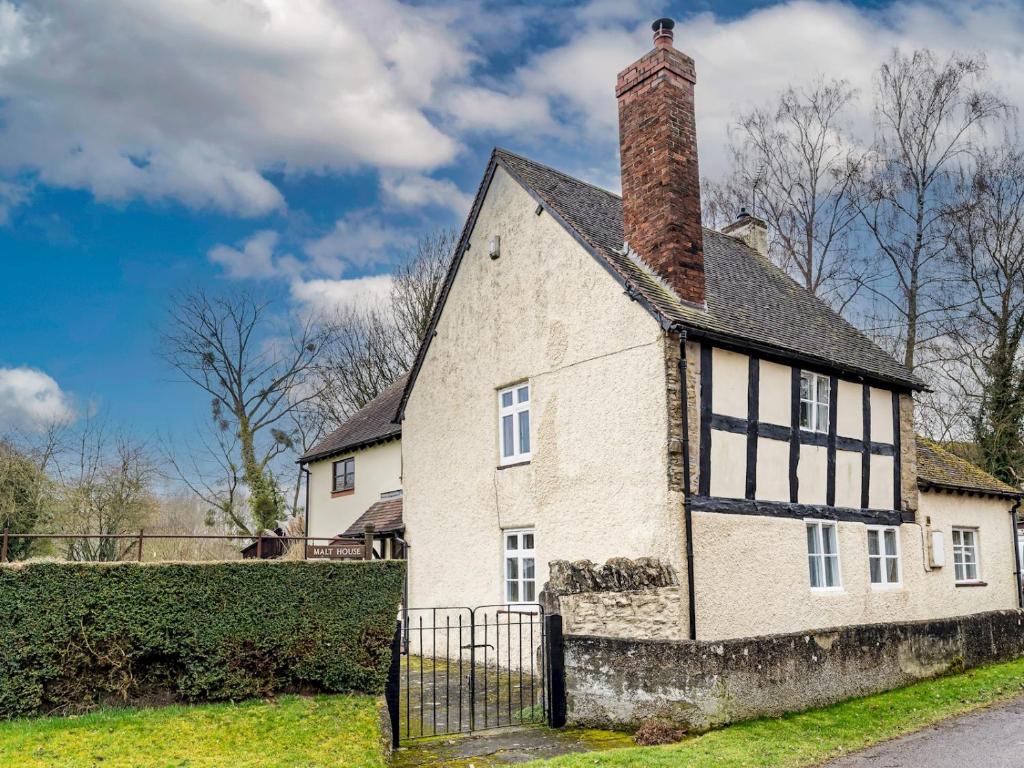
(329,296)
(359,239)
(195,101)
(415,190)
(253,260)
(11,196)
(30,399)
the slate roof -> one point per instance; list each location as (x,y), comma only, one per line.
(373,423)
(937,467)
(385,515)
(750,301)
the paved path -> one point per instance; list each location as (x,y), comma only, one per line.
(991,738)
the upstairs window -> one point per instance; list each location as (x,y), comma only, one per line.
(884,556)
(814,396)
(965,555)
(520,567)
(344,475)
(514,423)
(823,554)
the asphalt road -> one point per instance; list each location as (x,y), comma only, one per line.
(991,738)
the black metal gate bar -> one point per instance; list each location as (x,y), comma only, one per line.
(495,687)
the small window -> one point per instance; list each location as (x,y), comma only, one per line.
(823,554)
(814,397)
(344,475)
(884,556)
(514,423)
(965,555)
(520,567)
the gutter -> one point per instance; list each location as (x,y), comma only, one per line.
(687,490)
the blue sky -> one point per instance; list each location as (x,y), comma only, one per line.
(295,147)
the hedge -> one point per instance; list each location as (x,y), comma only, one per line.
(77,636)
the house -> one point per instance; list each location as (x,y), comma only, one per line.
(354,475)
(605,377)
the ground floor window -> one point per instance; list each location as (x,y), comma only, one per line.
(965,554)
(884,555)
(520,567)
(823,554)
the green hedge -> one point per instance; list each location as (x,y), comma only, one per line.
(77,636)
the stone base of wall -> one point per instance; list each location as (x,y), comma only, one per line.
(616,682)
(646,613)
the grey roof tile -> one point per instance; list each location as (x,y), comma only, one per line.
(373,423)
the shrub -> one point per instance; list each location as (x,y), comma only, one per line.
(74,636)
(657,730)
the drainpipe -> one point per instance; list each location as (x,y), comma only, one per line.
(305,470)
(687,491)
(1016,550)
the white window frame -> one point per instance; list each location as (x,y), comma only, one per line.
(513,411)
(520,554)
(883,556)
(813,380)
(962,548)
(818,526)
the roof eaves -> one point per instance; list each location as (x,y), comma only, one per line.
(928,485)
(350,447)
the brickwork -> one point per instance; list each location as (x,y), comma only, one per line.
(660,177)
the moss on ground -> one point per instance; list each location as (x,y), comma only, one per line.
(297,732)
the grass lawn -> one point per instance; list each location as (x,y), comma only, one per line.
(298,732)
(809,738)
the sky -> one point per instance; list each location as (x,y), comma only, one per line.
(297,148)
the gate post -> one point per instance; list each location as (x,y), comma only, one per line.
(392,691)
(555,653)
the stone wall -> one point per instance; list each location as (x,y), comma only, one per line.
(618,682)
(623,598)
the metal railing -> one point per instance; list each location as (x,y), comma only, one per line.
(136,542)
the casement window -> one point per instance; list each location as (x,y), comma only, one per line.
(520,567)
(514,423)
(814,396)
(965,555)
(344,475)
(823,554)
(884,556)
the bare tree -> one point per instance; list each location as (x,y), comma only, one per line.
(985,229)
(795,166)
(256,377)
(372,346)
(927,116)
(25,497)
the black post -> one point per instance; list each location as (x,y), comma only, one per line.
(392,691)
(555,653)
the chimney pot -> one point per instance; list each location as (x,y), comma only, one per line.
(752,230)
(663,32)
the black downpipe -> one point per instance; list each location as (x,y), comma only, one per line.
(687,491)
(1016,551)
(303,468)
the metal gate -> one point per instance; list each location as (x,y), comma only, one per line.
(471,669)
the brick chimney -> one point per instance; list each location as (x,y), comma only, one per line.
(660,179)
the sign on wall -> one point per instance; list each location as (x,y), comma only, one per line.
(339,549)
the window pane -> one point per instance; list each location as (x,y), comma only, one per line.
(831,571)
(513,591)
(812,539)
(506,436)
(805,414)
(512,541)
(524,431)
(890,543)
(828,539)
(971,572)
(529,591)
(872,543)
(527,541)
(805,386)
(876,570)
(528,568)
(506,399)
(892,566)
(823,386)
(822,424)
(968,538)
(958,570)
(957,539)
(512,568)
(814,563)
(523,394)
